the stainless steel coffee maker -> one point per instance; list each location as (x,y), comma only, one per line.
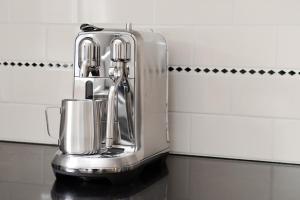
(117,120)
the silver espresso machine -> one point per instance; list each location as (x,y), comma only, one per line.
(117,120)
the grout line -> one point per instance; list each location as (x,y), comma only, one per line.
(276,45)
(28,104)
(142,25)
(75,11)
(233,6)
(46,42)
(272,138)
(154,12)
(154,25)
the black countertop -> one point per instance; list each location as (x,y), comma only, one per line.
(26,174)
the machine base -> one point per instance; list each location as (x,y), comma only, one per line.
(153,175)
(116,175)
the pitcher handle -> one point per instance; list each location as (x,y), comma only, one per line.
(47,120)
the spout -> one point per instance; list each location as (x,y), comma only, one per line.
(84,70)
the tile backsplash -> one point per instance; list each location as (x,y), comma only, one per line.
(249,110)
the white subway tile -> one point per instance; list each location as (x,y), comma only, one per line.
(255,11)
(199,93)
(24,123)
(40,85)
(4,8)
(234,137)
(288,47)
(179,128)
(194,12)
(282,12)
(288,12)
(60,42)
(22,42)
(57,11)
(235,46)
(181,44)
(272,96)
(114,11)
(286,137)
(26,11)
(5,82)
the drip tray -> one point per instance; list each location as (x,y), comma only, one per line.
(112,152)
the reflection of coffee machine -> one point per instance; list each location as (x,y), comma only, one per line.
(117,119)
(152,183)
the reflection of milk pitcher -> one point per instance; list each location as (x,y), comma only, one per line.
(117,120)
(80,126)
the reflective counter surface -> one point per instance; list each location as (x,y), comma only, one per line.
(26,174)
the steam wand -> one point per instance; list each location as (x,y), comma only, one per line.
(119,50)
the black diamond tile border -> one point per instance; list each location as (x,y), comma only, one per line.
(37,64)
(173,69)
(234,71)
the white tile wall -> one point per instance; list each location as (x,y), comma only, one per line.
(270,96)
(199,93)
(24,122)
(288,46)
(266,12)
(35,85)
(255,12)
(193,12)
(181,44)
(5,77)
(114,11)
(57,11)
(180,131)
(41,87)
(60,42)
(288,12)
(235,137)
(235,46)
(230,115)
(28,11)
(4,5)
(286,136)
(16,38)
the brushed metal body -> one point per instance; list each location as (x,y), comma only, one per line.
(140,120)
